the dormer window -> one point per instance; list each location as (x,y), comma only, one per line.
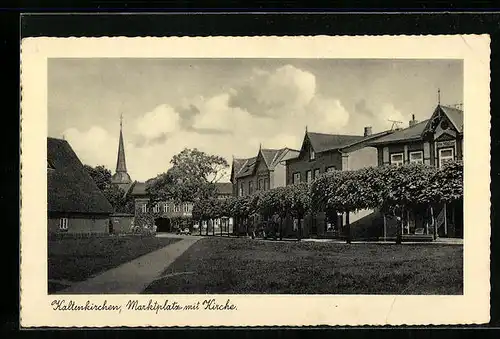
(312,155)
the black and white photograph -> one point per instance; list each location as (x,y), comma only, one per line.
(227,176)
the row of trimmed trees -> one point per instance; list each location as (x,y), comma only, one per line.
(392,189)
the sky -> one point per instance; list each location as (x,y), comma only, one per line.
(229,107)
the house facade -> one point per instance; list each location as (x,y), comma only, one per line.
(74,202)
(173,215)
(434,141)
(263,172)
(321,153)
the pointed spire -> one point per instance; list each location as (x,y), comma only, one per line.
(121,165)
(121,177)
(306,128)
(439,96)
(260,146)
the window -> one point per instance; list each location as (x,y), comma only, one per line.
(63,224)
(177,208)
(308,176)
(397,159)
(296,178)
(417,157)
(445,155)
(186,208)
(312,155)
(330,169)
(241,190)
(250,187)
(165,207)
(316,173)
(260,185)
(156,208)
(266,184)
(144,208)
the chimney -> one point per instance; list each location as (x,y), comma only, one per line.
(368,131)
(412,122)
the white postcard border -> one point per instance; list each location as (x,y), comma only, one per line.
(261,310)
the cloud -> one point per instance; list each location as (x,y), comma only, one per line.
(378,115)
(361,108)
(327,115)
(94,146)
(275,93)
(154,126)
(271,108)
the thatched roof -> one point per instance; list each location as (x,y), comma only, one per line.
(70,189)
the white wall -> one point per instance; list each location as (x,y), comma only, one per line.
(363,157)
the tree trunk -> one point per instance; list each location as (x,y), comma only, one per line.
(207,228)
(434,228)
(213,227)
(399,230)
(347,228)
(201,222)
(445,220)
(385,228)
(299,228)
(281,227)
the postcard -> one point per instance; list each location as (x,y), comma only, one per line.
(255,181)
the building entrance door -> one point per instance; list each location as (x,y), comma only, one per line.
(163,225)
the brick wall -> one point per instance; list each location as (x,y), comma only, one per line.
(302,164)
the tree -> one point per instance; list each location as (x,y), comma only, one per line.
(192,176)
(446,185)
(270,205)
(297,202)
(100,174)
(115,195)
(404,188)
(345,192)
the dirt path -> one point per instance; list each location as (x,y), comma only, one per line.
(134,276)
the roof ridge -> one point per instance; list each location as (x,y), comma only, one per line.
(340,135)
(367,137)
(280,152)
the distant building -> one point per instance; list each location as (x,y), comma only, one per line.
(169,210)
(74,202)
(265,171)
(434,141)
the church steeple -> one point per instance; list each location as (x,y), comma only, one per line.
(121,176)
(121,165)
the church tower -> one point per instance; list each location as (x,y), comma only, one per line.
(121,177)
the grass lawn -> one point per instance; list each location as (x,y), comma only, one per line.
(73,259)
(218,265)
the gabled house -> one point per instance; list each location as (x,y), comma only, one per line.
(74,202)
(434,141)
(321,153)
(265,171)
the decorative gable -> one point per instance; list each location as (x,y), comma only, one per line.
(261,167)
(305,149)
(440,124)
